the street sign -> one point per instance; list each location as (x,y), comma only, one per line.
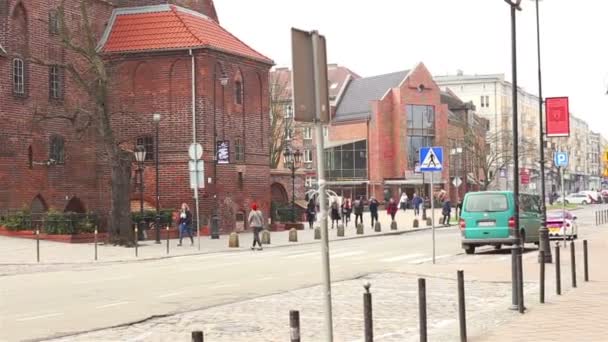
(560,159)
(196,169)
(432,159)
(503,173)
(195,151)
(524,175)
(309,78)
(457,181)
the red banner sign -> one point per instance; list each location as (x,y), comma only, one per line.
(524,175)
(557,115)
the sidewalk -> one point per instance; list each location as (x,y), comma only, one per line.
(18,252)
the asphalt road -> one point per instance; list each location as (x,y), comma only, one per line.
(45,304)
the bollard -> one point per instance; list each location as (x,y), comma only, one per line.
(317,234)
(416,224)
(294,325)
(360,229)
(422,308)
(95,232)
(293,235)
(197,336)
(377,227)
(136,242)
(542,277)
(367,314)
(394,225)
(167,239)
(573,263)
(586,260)
(558,276)
(429,221)
(38,245)
(596,218)
(233,240)
(265,237)
(340,230)
(462,314)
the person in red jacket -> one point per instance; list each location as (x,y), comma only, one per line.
(392,209)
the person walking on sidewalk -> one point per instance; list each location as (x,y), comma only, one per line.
(335,213)
(359,210)
(446,211)
(392,209)
(373,210)
(256,222)
(185,224)
(403,201)
(417,203)
(346,210)
(311,213)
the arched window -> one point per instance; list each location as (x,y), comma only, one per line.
(148,143)
(239,151)
(18,77)
(57,149)
(30,158)
(238,92)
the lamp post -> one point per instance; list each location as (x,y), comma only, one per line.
(140,157)
(292,161)
(543,232)
(516,250)
(156,118)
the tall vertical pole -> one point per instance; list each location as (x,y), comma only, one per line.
(157,186)
(563,168)
(293,191)
(329,335)
(516,249)
(544,232)
(196,202)
(141,199)
(433,215)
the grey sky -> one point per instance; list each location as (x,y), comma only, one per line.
(374,37)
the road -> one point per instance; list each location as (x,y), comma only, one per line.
(45,304)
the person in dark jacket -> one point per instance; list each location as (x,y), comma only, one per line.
(347,209)
(392,209)
(185,224)
(311,213)
(417,203)
(335,213)
(446,211)
(359,210)
(373,210)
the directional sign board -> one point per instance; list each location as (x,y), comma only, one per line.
(196,169)
(560,159)
(195,151)
(432,159)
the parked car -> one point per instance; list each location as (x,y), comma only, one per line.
(488,219)
(562,223)
(578,198)
(594,196)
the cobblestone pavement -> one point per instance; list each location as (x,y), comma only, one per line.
(395,310)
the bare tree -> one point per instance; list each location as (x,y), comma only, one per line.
(91,72)
(280,123)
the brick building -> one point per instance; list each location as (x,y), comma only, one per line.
(164,56)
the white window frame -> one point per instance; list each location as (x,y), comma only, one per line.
(289,134)
(55,82)
(18,81)
(307,156)
(308,181)
(307,133)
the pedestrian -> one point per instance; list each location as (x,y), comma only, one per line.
(403,201)
(373,210)
(256,222)
(359,210)
(185,224)
(347,209)
(416,202)
(335,213)
(446,211)
(311,213)
(392,208)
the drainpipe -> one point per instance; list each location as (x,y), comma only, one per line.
(196,200)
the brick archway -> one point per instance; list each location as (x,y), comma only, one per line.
(38,205)
(278,193)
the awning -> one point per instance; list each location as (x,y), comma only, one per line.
(331,144)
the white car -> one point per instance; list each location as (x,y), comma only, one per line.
(578,198)
(558,226)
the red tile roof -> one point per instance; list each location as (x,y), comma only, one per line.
(170,27)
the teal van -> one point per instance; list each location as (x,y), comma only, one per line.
(487,219)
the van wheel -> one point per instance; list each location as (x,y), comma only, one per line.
(469,249)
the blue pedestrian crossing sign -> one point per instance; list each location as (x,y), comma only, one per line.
(431,159)
(560,159)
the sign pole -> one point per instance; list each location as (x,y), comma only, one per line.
(433,215)
(563,206)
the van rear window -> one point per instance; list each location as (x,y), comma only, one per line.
(487,203)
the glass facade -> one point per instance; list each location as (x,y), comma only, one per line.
(346,162)
(420,130)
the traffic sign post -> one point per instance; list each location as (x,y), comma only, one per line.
(432,161)
(561,159)
(196,168)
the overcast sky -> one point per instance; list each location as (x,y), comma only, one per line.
(381,36)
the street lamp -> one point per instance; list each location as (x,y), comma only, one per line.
(516,250)
(156,118)
(292,161)
(140,157)
(543,232)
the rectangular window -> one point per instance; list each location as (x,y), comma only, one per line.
(307,133)
(287,111)
(348,161)
(483,102)
(487,203)
(325,131)
(55,82)
(308,156)
(241,181)
(421,130)
(53,22)
(238,92)
(487,102)
(148,143)
(289,134)
(18,76)
(239,151)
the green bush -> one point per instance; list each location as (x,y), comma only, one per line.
(57,223)
(18,221)
(166,216)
